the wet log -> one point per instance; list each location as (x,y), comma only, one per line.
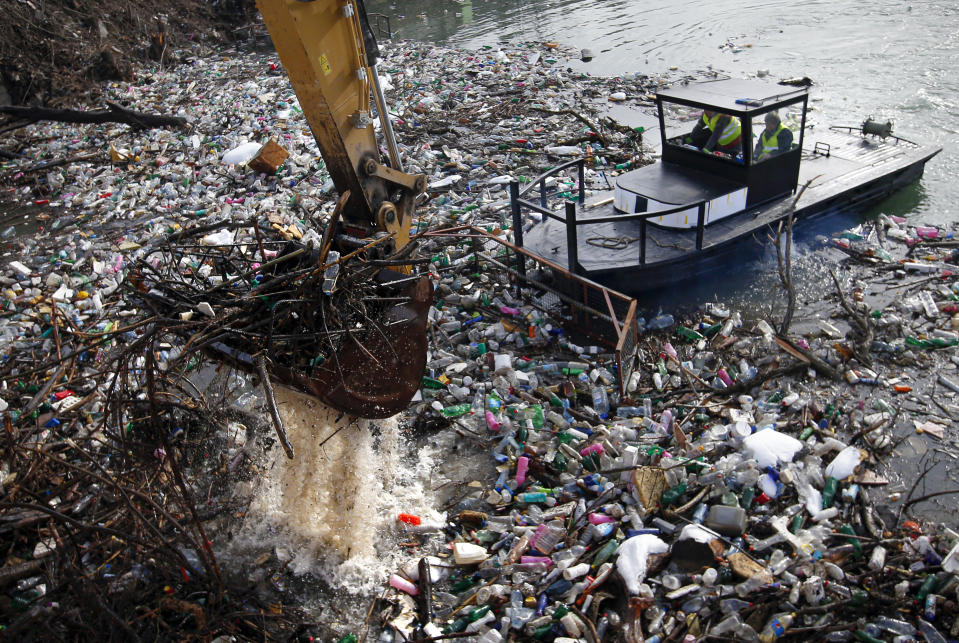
(114,114)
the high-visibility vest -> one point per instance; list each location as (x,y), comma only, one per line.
(730,135)
(771,144)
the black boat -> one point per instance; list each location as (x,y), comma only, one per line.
(686,214)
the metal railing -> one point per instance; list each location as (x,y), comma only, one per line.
(377,22)
(570,218)
(592,310)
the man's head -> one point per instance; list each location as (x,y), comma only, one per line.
(772,121)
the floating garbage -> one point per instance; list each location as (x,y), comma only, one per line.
(713,481)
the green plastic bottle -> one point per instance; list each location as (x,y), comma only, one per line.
(605,553)
(535,413)
(856,546)
(543,632)
(862,635)
(926,588)
(429,382)
(462,585)
(456,410)
(797,522)
(522,435)
(560,462)
(673,494)
(829,492)
(591,462)
(457,626)
(689,334)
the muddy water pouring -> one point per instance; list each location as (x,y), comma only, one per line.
(335,504)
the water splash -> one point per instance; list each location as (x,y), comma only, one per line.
(334,506)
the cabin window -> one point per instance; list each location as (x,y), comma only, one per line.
(790,117)
(681,131)
(680,120)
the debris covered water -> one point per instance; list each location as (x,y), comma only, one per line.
(715,482)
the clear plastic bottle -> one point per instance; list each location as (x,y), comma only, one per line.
(600,399)
(878,558)
(749,585)
(895,625)
(490,636)
(780,564)
(728,605)
(566,557)
(776,627)
(929,632)
(656,614)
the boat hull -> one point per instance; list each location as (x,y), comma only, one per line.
(857,175)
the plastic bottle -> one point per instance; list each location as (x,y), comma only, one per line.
(547,537)
(403,585)
(878,558)
(566,557)
(673,494)
(829,492)
(929,609)
(490,636)
(730,626)
(600,400)
(456,410)
(522,464)
(661,321)
(776,627)
(728,521)
(331,273)
(895,625)
(481,621)
(728,605)
(749,585)
(929,632)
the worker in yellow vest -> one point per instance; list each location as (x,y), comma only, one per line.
(773,140)
(716,132)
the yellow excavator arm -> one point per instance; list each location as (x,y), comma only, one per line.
(329,53)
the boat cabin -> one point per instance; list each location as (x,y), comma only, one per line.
(728,180)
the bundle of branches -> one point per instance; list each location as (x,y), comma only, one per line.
(295,302)
(104,497)
(103,534)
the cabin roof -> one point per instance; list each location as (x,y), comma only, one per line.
(739,97)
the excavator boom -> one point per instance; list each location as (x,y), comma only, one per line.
(329,54)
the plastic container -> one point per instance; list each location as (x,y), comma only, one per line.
(469,553)
(728,521)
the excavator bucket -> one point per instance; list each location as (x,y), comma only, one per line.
(375,374)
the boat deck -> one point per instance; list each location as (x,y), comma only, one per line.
(857,171)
